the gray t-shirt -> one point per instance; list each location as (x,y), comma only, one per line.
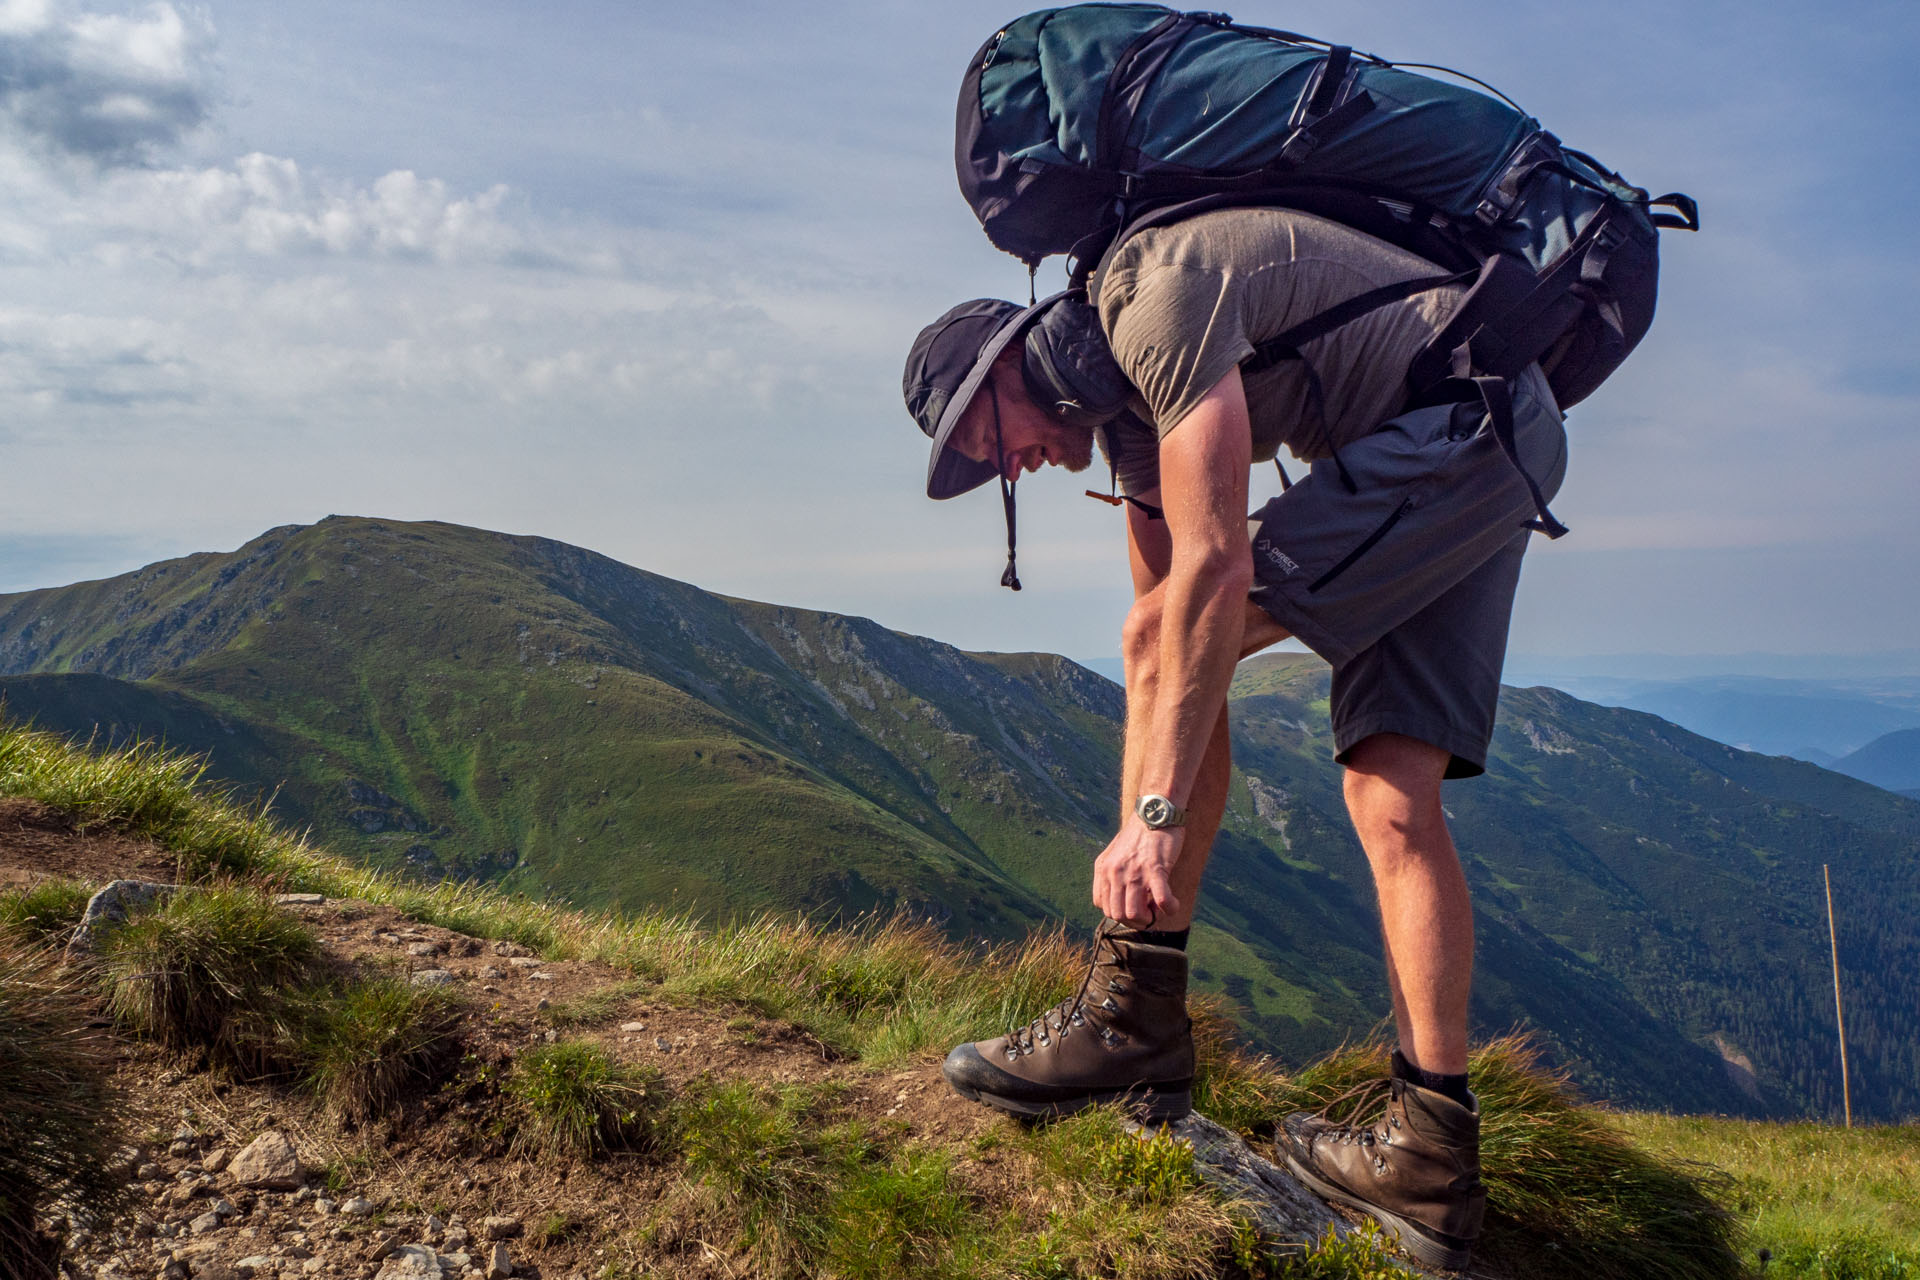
(1184,303)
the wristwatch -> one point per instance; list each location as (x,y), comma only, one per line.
(1159,812)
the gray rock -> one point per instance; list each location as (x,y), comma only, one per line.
(540,975)
(411,1262)
(456,1261)
(174,1270)
(299,899)
(499,1266)
(499,1228)
(524,961)
(258,1262)
(223,1207)
(269,1162)
(204,1223)
(111,906)
(432,978)
(455,1240)
(358,1207)
(633,1026)
(424,948)
(434,1227)
(216,1160)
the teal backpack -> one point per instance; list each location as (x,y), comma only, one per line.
(1080,126)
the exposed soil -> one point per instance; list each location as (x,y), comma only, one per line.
(449,1154)
(39,842)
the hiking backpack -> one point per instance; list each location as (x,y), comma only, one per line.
(1081,126)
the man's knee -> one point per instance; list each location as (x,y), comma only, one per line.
(1392,787)
(1140,639)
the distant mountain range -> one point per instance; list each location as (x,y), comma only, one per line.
(468,703)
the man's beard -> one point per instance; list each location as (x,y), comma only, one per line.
(1074,451)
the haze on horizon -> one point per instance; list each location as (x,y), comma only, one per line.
(641,279)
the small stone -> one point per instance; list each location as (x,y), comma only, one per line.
(146,1172)
(384,1243)
(432,978)
(313,1266)
(423,948)
(488,971)
(180,1150)
(216,1160)
(297,1251)
(111,906)
(633,1026)
(268,1162)
(411,1262)
(174,1270)
(455,1240)
(455,1261)
(498,1265)
(539,975)
(303,1194)
(204,1223)
(223,1207)
(435,1227)
(525,962)
(299,899)
(660,1043)
(544,1003)
(258,1262)
(323,1206)
(358,1207)
(499,1228)
(505,948)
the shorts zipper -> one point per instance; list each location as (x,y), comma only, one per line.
(1346,563)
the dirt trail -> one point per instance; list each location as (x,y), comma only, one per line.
(448,1155)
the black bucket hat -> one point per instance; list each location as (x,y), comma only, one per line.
(948,362)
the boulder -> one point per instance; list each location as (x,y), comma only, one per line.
(499,1266)
(111,906)
(269,1163)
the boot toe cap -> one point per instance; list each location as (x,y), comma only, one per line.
(968,1071)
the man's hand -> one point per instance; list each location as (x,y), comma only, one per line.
(1131,877)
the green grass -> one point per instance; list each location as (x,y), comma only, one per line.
(207,970)
(46,913)
(576,1101)
(368,1043)
(57,1125)
(1824,1201)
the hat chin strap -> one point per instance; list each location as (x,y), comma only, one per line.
(1011,578)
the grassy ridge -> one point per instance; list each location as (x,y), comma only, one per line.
(797,1182)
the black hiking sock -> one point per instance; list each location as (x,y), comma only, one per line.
(1175,938)
(1454,1087)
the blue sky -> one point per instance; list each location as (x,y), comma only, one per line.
(641,277)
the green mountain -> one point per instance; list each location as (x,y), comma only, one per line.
(458,702)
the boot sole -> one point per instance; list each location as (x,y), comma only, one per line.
(1149,1105)
(1411,1236)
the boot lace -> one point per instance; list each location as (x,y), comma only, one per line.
(1056,1024)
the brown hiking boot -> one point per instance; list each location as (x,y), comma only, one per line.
(1123,1037)
(1415,1170)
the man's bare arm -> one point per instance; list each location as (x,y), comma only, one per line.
(1196,614)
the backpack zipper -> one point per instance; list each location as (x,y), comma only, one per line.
(1347,561)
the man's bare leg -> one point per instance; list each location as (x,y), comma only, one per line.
(1426,917)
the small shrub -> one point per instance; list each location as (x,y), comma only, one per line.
(208,970)
(57,1128)
(580,1102)
(1157,1167)
(1359,1255)
(368,1043)
(896,1218)
(45,914)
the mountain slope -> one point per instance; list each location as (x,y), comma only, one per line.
(469,703)
(1891,761)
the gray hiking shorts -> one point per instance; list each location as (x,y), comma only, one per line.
(1405,582)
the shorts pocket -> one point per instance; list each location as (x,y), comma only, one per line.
(1367,544)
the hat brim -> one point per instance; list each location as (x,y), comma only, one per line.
(951,473)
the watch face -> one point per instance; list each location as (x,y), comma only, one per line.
(1155,810)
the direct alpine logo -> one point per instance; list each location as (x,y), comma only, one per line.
(1276,557)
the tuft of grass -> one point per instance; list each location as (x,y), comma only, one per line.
(579,1102)
(208,969)
(764,1152)
(898,1217)
(1567,1193)
(57,1136)
(596,1007)
(45,914)
(369,1043)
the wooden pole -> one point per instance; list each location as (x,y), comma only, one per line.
(1839,1019)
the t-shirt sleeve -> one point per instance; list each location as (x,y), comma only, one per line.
(1176,330)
